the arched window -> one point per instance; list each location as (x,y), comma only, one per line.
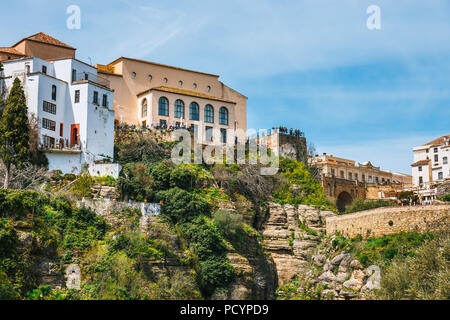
(179,109)
(144,108)
(194,111)
(163,109)
(223,116)
(209,113)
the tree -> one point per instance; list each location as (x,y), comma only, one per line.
(2,92)
(14,131)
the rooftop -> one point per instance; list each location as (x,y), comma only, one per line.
(184,92)
(45,38)
(439,141)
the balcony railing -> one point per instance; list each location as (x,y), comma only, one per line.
(83,76)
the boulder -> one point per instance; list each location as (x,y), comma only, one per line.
(355,264)
(327,276)
(353,284)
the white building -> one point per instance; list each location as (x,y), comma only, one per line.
(74,107)
(431,163)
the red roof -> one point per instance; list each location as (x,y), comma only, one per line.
(421,163)
(45,38)
(438,141)
(12,51)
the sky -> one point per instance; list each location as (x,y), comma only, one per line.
(367,95)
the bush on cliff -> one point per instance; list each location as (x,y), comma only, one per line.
(424,275)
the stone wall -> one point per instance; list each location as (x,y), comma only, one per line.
(103,207)
(384,221)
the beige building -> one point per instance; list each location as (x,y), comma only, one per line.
(155,95)
(331,166)
(39,45)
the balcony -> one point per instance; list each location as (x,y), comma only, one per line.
(91,77)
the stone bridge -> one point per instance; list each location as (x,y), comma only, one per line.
(343,191)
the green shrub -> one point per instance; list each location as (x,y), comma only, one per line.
(179,205)
(82,186)
(445,198)
(307,189)
(136,182)
(229,223)
(424,275)
(8,238)
(182,178)
(7,291)
(16,203)
(161,176)
(361,205)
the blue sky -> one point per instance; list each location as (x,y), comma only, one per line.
(309,64)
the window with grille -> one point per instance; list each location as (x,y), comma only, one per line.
(48,124)
(49,107)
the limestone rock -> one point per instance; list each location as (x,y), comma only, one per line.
(342,276)
(327,276)
(355,264)
(319,259)
(353,284)
(358,275)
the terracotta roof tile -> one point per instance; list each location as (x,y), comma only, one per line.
(45,38)
(421,163)
(12,51)
(438,141)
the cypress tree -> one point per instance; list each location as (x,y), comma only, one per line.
(14,131)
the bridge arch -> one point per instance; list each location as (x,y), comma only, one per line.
(343,200)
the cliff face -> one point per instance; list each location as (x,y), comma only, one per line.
(291,235)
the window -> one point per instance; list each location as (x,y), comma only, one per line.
(49,142)
(420,180)
(376,179)
(133,74)
(195,86)
(77,96)
(342,174)
(61,129)
(370,178)
(440,175)
(48,124)
(223,135)
(144,108)
(180,83)
(209,134)
(165,80)
(74,75)
(179,109)
(356,176)
(420,168)
(209,113)
(445,160)
(194,111)
(150,77)
(49,107)
(435,150)
(86,76)
(163,124)
(349,176)
(223,116)
(436,158)
(332,172)
(53,92)
(208,88)
(105,100)
(44,69)
(163,109)
(95,97)
(428,150)
(364,178)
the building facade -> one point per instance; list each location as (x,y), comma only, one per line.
(73,107)
(431,162)
(341,168)
(160,96)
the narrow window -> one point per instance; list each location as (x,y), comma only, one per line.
(420,168)
(105,100)
(194,111)
(445,160)
(209,113)
(61,129)
(54,92)
(144,109)
(44,69)
(179,109)
(223,116)
(209,133)
(74,75)
(95,97)
(163,107)
(223,135)
(77,96)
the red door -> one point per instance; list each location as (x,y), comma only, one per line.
(75,134)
